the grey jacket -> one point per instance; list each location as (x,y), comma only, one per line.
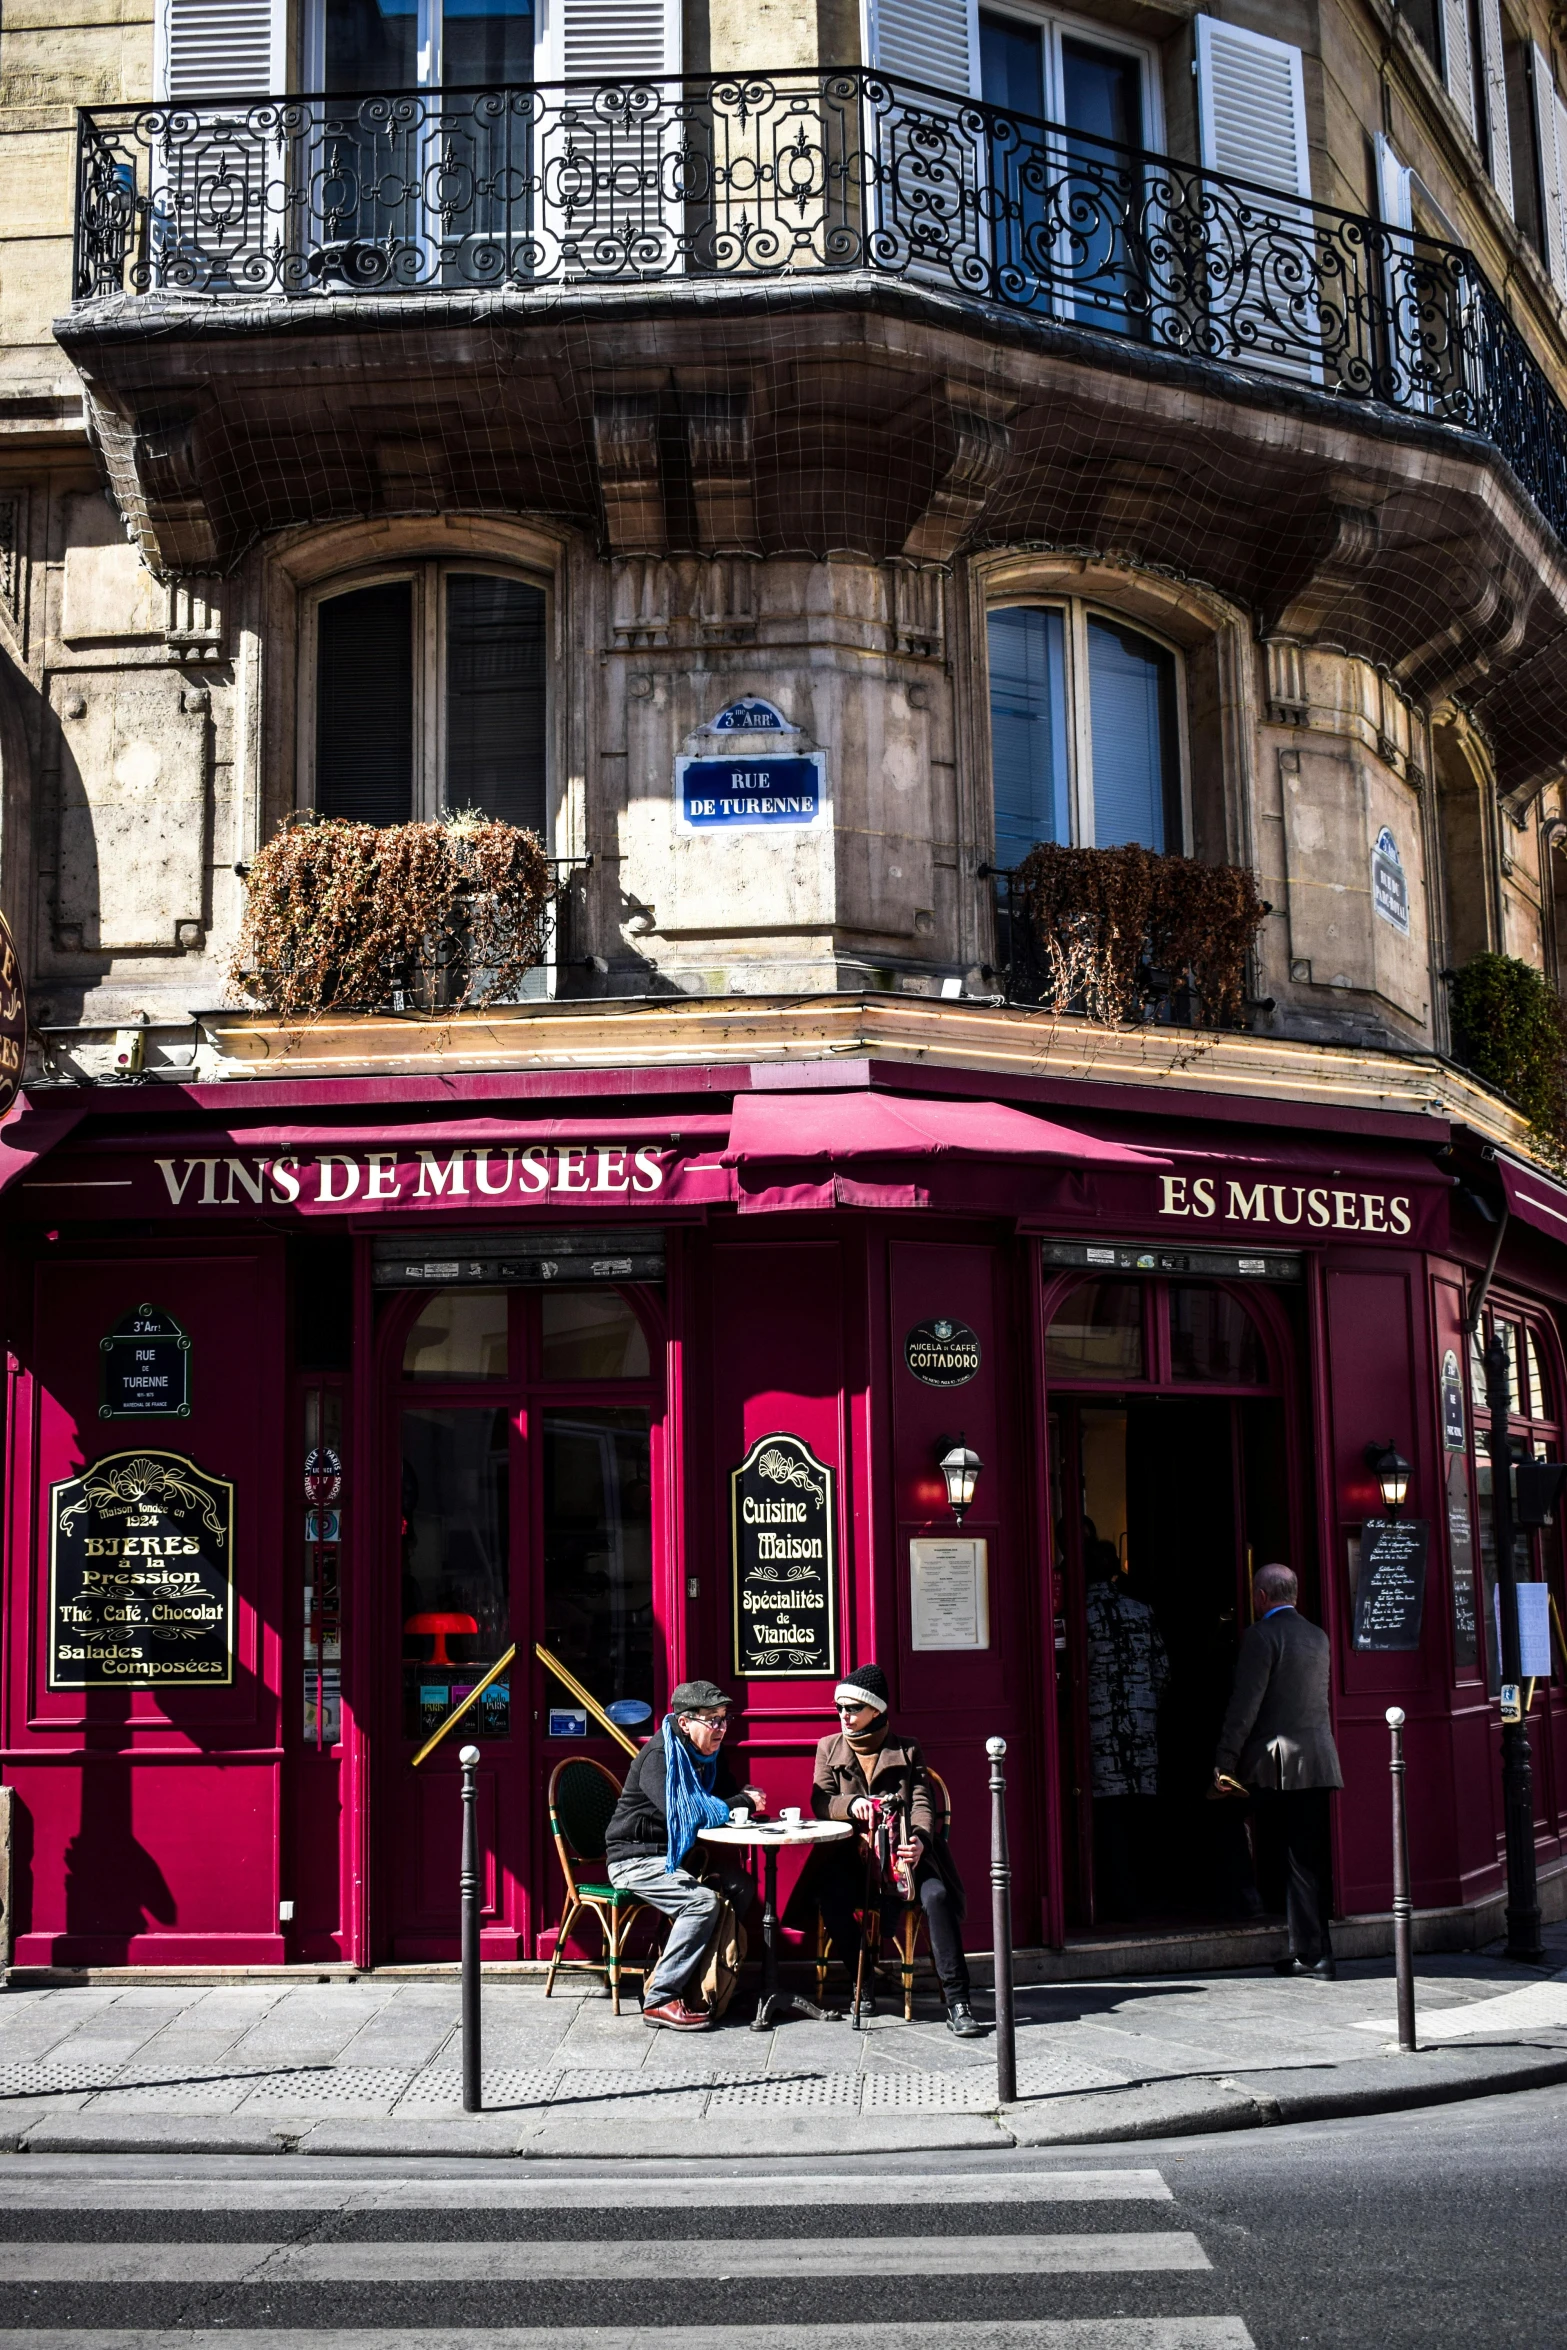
(1278,1732)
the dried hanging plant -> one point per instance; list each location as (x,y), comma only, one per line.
(1104,921)
(355,917)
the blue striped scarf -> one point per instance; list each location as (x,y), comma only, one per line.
(689,1802)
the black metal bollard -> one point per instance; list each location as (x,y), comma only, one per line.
(472,2075)
(1001,1924)
(1403,1907)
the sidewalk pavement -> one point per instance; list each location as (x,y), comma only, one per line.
(372,2065)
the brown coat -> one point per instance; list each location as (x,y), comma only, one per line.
(840,1776)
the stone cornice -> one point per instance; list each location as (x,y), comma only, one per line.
(1187,1072)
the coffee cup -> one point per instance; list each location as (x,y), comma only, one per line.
(739,1814)
(790,1815)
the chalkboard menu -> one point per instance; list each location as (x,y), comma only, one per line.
(1390,1593)
(1461,1559)
(141,1575)
(145,1367)
(785,1561)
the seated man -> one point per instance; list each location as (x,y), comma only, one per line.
(860,1759)
(677,1786)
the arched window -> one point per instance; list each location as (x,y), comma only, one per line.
(1085,731)
(429,695)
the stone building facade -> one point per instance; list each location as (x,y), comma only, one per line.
(794,458)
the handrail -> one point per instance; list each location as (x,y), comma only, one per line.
(457,1712)
(552,1664)
(785,176)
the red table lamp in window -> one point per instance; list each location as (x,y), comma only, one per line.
(438,1628)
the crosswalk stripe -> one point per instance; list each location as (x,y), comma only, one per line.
(631,2260)
(54,2190)
(1048,2333)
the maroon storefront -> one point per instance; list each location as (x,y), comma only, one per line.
(321,1394)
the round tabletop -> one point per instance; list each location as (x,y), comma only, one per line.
(780,1832)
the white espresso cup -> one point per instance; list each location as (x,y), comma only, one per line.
(739,1814)
(790,1815)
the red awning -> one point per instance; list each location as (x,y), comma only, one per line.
(1534,1199)
(787,1149)
(30,1128)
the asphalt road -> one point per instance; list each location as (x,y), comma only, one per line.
(1423,2229)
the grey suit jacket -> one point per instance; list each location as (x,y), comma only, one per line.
(1278,1732)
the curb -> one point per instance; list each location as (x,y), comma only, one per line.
(1192,2108)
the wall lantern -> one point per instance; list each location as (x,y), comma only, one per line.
(961,1469)
(1391,1471)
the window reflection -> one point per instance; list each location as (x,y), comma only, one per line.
(591,1334)
(1097,1333)
(1213,1337)
(456,1573)
(461,1334)
(598,1549)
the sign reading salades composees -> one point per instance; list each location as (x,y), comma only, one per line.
(141,1575)
(785,1561)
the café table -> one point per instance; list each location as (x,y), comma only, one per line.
(769,1837)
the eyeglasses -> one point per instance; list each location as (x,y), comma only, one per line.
(854,1709)
(708,1721)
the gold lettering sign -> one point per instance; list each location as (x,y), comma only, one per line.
(141,1575)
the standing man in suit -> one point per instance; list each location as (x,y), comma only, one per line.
(1278,1740)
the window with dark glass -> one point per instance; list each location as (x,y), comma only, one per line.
(1213,1338)
(1097,1333)
(470,645)
(1535,1429)
(1085,735)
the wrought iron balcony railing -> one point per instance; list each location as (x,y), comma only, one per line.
(763,178)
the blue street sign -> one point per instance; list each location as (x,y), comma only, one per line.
(713,794)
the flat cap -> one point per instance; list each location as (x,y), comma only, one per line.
(697,1697)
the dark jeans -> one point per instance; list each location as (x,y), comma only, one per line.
(1123,1838)
(840,1890)
(1294,1854)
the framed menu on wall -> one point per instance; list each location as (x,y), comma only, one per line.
(949,1593)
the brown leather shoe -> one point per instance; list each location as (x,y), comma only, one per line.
(673,2015)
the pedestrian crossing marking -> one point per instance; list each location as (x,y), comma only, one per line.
(832,2189)
(631,2260)
(1048,2333)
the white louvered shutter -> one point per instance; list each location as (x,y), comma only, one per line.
(1551,133)
(1395,202)
(613,40)
(221,49)
(1493,73)
(931,41)
(1457,64)
(1252,107)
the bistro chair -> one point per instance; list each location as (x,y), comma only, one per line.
(910,1926)
(583,1793)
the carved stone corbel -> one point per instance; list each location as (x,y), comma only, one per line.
(1323,602)
(1488,630)
(625,439)
(974,441)
(723,482)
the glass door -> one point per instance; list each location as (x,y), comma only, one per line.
(1066,209)
(522,1507)
(424,166)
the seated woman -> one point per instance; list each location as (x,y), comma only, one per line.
(862,1758)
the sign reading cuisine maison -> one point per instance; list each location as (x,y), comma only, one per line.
(141,1575)
(785,1561)
(942,1353)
